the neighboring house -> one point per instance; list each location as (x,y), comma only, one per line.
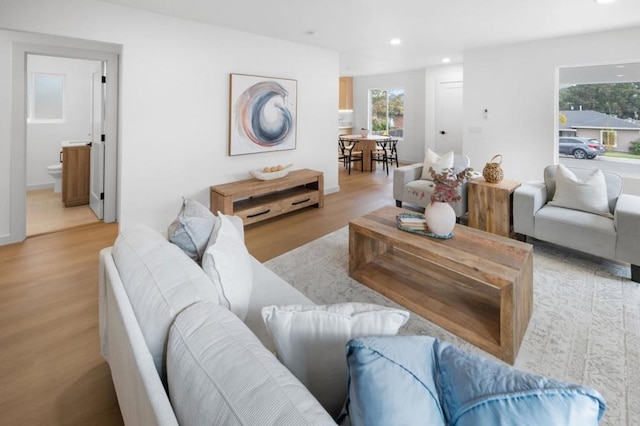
(609,130)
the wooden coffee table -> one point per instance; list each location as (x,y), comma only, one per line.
(477,285)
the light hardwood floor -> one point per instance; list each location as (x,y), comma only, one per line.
(50,364)
(46,213)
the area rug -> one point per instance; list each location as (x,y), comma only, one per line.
(585,326)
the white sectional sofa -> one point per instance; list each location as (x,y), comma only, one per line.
(188,345)
(177,357)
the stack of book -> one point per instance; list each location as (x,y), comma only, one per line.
(414,223)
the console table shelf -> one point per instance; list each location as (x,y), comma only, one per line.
(255,200)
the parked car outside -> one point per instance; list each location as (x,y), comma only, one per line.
(580,147)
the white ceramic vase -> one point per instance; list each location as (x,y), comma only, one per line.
(440,217)
(364,133)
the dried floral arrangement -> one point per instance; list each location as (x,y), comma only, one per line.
(447,183)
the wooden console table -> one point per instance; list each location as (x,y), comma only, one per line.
(255,200)
(477,285)
(490,205)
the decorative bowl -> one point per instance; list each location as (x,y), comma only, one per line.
(259,174)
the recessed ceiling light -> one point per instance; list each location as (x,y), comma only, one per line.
(604,1)
(446,60)
(620,75)
(619,66)
(395,41)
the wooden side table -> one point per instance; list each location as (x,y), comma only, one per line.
(490,205)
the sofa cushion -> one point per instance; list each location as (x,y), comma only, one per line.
(392,381)
(588,195)
(269,289)
(192,228)
(160,281)
(227,263)
(436,161)
(476,390)
(578,230)
(220,374)
(310,341)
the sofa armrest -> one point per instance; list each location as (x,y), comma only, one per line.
(627,222)
(527,200)
(402,176)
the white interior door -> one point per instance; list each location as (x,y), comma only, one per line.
(449,117)
(96,196)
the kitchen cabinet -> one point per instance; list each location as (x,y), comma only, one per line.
(76,168)
(346,93)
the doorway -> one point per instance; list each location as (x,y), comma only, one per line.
(23,45)
(64,109)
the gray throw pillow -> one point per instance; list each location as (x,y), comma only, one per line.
(192,228)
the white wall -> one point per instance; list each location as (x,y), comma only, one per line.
(43,139)
(174,100)
(518,85)
(411,148)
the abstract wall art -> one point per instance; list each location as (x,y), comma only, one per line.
(262,114)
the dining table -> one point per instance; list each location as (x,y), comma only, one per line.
(366,144)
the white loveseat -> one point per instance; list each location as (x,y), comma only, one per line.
(155,305)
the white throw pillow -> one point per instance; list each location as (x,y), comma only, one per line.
(589,195)
(438,163)
(310,341)
(227,263)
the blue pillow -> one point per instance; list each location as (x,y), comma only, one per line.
(392,381)
(479,391)
(411,380)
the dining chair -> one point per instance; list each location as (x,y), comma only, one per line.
(342,152)
(349,155)
(392,152)
(380,154)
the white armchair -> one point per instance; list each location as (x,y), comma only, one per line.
(614,238)
(409,188)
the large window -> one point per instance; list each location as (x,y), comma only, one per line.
(386,112)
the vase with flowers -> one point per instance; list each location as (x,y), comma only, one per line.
(439,215)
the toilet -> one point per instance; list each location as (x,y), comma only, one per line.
(56,173)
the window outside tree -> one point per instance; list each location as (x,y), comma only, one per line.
(386,114)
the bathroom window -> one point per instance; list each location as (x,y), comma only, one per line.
(46,98)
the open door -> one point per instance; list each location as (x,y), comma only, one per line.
(96,194)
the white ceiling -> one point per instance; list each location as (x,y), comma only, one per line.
(430,30)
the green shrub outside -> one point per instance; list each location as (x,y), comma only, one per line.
(634,147)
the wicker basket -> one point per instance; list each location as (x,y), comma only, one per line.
(492,171)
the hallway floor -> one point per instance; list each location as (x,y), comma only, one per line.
(46,213)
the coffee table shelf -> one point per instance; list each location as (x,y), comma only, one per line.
(476,285)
